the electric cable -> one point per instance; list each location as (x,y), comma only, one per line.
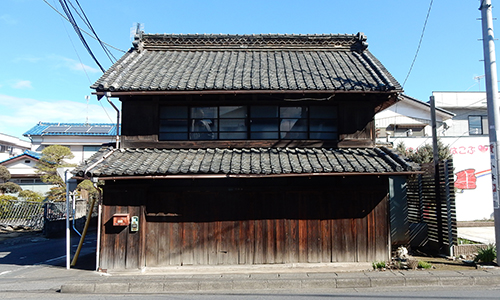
(106,50)
(419,44)
(87,33)
(68,13)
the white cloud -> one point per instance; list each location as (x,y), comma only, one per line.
(18,115)
(75,65)
(21,84)
(7,19)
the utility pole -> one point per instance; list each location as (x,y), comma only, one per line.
(490,68)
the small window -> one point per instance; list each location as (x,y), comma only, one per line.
(475,125)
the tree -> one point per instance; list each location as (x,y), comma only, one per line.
(425,153)
(5,185)
(86,187)
(54,157)
(31,196)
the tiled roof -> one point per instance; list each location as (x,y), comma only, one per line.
(32,154)
(46,128)
(242,162)
(167,62)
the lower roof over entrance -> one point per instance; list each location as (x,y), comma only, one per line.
(114,164)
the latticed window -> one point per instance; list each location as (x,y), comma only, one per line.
(269,122)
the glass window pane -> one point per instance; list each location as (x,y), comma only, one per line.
(323,125)
(485,125)
(203,125)
(294,112)
(203,136)
(232,125)
(293,135)
(323,112)
(232,135)
(233,112)
(293,125)
(264,125)
(173,125)
(475,125)
(204,112)
(323,135)
(264,135)
(173,136)
(264,111)
(173,112)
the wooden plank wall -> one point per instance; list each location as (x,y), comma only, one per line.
(218,225)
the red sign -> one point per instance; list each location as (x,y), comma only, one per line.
(466,179)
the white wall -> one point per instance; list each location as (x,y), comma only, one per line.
(17,146)
(75,143)
(476,201)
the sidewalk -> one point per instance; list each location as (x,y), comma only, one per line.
(134,283)
(44,278)
(54,277)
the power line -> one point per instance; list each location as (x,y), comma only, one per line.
(68,13)
(419,43)
(76,52)
(106,50)
(90,35)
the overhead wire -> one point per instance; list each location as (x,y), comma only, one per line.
(87,33)
(77,55)
(68,13)
(86,20)
(83,66)
(419,43)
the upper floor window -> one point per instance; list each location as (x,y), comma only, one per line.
(477,125)
(248,122)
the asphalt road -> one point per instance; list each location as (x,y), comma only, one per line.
(415,293)
(34,249)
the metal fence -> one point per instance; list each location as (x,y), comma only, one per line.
(34,214)
(22,213)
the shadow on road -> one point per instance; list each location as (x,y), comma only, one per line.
(33,248)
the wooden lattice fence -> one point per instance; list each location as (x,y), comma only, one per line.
(434,207)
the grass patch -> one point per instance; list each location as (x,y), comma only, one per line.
(424,265)
(379,265)
(462,241)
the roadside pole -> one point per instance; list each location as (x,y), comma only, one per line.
(490,69)
(63,173)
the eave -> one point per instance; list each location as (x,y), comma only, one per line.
(221,176)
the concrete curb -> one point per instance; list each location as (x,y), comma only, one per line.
(165,284)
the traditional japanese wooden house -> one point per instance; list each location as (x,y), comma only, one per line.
(246,149)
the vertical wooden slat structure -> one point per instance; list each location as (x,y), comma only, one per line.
(423,206)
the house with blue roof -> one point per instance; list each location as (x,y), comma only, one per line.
(84,139)
(23,171)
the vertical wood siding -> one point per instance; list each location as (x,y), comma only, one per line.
(260,224)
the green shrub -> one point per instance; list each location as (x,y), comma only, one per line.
(424,265)
(379,265)
(487,255)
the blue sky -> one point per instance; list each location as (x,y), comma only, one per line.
(46,72)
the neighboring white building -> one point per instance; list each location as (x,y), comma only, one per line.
(410,117)
(23,171)
(467,137)
(12,146)
(83,139)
